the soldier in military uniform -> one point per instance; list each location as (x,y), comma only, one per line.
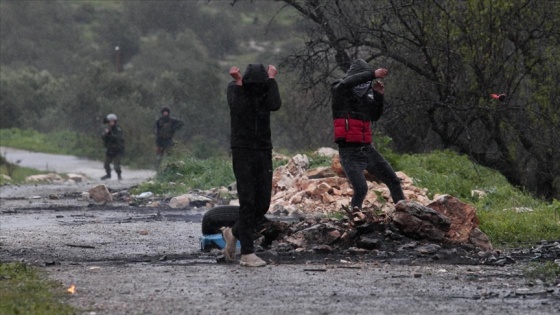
(113,140)
(164,129)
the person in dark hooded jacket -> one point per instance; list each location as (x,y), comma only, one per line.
(357,100)
(251,98)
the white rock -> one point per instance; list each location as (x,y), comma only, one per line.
(50,177)
(476,193)
(194,197)
(78,178)
(145,195)
(179,202)
(325,151)
(85,195)
(6,177)
(519,209)
(301,160)
(234,202)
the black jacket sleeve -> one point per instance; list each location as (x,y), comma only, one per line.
(273,100)
(376,106)
(235,98)
(230,92)
(177,124)
(355,79)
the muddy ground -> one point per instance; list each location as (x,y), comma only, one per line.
(139,260)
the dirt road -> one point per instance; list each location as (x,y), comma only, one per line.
(138,260)
(66,164)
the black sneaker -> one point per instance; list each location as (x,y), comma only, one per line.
(105,177)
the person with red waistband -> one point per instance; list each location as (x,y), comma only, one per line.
(357,100)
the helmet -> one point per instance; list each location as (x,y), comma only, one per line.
(111,117)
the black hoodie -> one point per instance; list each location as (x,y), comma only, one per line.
(353,96)
(250,106)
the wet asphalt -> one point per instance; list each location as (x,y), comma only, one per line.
(133,260)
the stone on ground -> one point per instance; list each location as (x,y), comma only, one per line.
(100,193)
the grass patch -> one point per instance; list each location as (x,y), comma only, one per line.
(319,160)
(510,216)
(180,174)
(548,271)
(59,142)
(24,290)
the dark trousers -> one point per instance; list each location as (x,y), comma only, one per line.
(355,160)
(253,173)
(116,160)
(162,147)
(160,151)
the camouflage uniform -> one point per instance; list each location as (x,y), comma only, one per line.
(164,129)
(113,140)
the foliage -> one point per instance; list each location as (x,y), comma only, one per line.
(181,173)
(31,98)
(24,290)
(62,72)
(40,35)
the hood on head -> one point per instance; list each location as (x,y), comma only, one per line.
(357,66)
(255,73)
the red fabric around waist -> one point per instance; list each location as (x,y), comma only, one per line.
(352,130)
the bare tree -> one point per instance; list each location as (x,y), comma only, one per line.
(446,58)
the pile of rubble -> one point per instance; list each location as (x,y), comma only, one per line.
(542,251)
(427,230)
(381,225)
(375,237)
(297,189)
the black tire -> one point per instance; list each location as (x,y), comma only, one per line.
(218,217)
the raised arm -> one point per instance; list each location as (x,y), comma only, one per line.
(273,100)
(361,77)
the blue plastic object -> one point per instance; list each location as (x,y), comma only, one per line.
(208,240)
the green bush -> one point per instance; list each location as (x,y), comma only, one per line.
(181,173)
